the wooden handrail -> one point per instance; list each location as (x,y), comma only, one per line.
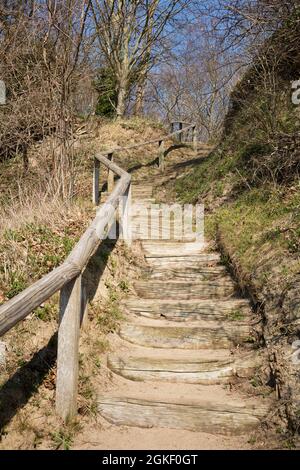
(67,278)
(148,142)
(17,308)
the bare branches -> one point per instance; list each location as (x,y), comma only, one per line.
(127,32)
(47,48)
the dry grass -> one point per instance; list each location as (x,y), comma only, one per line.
(27,387)
(37,231)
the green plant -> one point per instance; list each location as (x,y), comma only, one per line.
(62,439)
(17,284)
(106,86)
(236,315)
(110,318)
(124,285)
(44,313)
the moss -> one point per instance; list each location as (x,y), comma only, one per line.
(260,224)
(236,315)
(16,285)
(200,180)
(34,249)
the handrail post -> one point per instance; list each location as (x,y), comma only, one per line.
(161,155)
(172,128)
(180,128)
(84,305)
(96,177)
(67,351)
(195,142)
(126,217)
(111,177)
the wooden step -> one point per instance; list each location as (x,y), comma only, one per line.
(202,416)
(204,274)
(188,261)
(187,337)
(191,368)
(177,289)
(141,190)
(167,248)
(189,310)
(146,201)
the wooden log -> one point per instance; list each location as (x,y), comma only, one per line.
(180,136)
(126,217)
(84,306)
(189,310)
(68,349)
(187,337)
(191,368)
(174,134)
(99,228)
(180,289)
(111,176)
(111,165)
(194,137)
(183,261)
(202,416)
(24,303)
(172,248)
(96,193)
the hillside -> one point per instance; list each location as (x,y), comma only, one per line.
(250,187)
(37,232)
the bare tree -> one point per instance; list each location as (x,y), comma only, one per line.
(23,119)
(196,82)
(47,56)
(63,53)
(127,32)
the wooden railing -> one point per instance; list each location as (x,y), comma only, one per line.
(189,132)
(67,278)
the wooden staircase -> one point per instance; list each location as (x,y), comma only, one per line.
(186,334)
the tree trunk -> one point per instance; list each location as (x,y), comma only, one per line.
(139,101)
(122,93)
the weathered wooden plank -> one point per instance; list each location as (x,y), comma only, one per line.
(172,135)
(67,351)
(187,337)
(96,176)
(125,217)
(187,261)
(189,310)
(111,165)
(17,308)
(208,274)
(161,155)
(24,303)
(89,242)
(186,369)
(111,175)
(204,416)
(168,248)
(194,138)
(155,289)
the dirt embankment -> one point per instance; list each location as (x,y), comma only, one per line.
(250,188)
